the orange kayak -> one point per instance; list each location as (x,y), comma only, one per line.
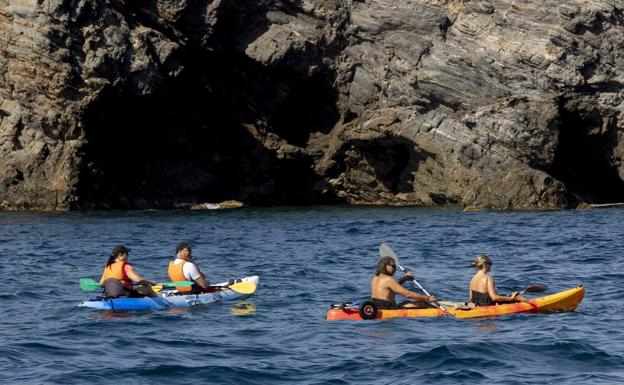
(566,300)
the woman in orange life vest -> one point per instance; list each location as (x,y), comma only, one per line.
(482,288)
(184,269)
(119,275)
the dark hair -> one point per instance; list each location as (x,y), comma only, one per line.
(117,250)
(381,265)
(184,245)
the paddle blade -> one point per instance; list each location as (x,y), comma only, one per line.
(88,284)
(243,287)
(386,251)
(534,288)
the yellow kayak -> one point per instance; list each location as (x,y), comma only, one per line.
(566,300)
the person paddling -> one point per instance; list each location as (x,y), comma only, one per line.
(482,287)
(184,269)
(384,288)
(119,275)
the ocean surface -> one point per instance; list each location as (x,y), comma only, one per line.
(308,258)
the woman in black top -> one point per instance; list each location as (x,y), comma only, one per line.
(482,287)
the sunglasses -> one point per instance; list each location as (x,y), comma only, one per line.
(488,263)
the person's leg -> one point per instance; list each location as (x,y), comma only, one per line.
(414,305)
(383,305)
(145,291)
(114,289)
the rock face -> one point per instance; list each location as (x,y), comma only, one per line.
(139,104)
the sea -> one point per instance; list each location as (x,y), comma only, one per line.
(308,258)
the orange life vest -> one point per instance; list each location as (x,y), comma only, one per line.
(117,271)
(176,273)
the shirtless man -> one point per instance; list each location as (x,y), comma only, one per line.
(384,287)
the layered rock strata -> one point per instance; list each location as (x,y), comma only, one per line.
(156,104)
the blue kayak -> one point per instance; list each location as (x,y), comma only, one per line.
(169,298)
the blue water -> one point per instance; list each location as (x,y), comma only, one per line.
(308,258)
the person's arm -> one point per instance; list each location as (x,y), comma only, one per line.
(398,289)
(197,276)
(136,278)
(201,281)
(491,287)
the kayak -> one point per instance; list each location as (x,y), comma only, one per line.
(170,298)
(566,300)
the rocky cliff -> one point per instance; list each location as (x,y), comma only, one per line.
(138,104)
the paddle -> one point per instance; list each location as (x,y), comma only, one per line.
(88,284)
(243,287)
(386,251)
(532,289)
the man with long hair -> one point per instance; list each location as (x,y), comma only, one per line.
(384,287)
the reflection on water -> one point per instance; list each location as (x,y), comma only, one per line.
(112,314)
(180,310)
(483,326)
(243,308)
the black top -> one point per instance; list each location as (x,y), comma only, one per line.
(481,299)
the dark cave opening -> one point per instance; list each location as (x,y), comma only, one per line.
(187,143)
(391,161)
(583,158)
(206,135)
(397,158)
(310,106)
(157,151)
(178,146)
